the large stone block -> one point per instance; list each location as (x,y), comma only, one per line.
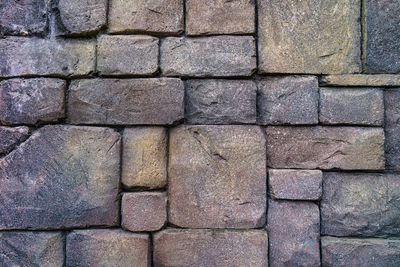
(293,232)
(23,17)
(107,248)
(387,80)
(288,100)
(382,21)
(346,148)
(61,177)
(127,101)
(220,17)
(361,204)
(392,128)
(208,56)
(152,16)
(217,177)
(344,252)
(22,56)
(220,101)
(29,101)
(318,36)
(12,136)
(211,248)
(127,55)
(26,249)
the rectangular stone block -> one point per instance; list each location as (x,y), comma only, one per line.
(288,100)
(217,177)
(392,128)
(319,36)
(126,102)
(386,80)
(22,57)
(365,204)
(295,184)
(220,17)
(208,56)
(174,247)
(355,106)
(151,16)
(127,55)
(293,231)
(30,101)
(346,148)
(220,102)
(12,136)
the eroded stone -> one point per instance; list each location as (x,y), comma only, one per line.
(11,136)
(392,128)
(361,80)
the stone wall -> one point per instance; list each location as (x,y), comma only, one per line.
(199,133)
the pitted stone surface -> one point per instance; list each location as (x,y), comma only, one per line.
(62,176)
(392,128)
(386,80)
(211,248)
(217,177)
(361,204)
(11,136)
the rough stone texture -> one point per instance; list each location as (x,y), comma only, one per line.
(288,100)
(347,148)
(344,252)
(383,36)
(392,128)
(211,248)
(293,232)
(55,180)
(153,16)
(145,211)
(208,56)
(26,249)
(319,36)
(386,80)
(82,17)
(220,102)
(29,101)
(11,136)
(23,17)
(144,163)
(128,101)
(217,177)
(359,106)
(220,17)
(22,56)
(124,55)
(107,248)
(295,184)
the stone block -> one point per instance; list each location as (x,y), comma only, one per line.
(387,80)
(12,136)
(392,128)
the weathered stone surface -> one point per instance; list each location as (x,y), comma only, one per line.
(295,184)
(23,17)
(211,248)
(288,100)
(29,101)
(387,80)
(82,17)
(217,177)
(221,101)
(293,232)
(62,176)
(208,56)
(344,252)
(26,249)
(220,17)
(360,106)
(144,163)
(127,101)
(153,16)
(361,204)
(11,136)
(107,248)
(383,36)
(347,148)
(309,36)
(124,55)
(22,56)
(392,128)
(145,211)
